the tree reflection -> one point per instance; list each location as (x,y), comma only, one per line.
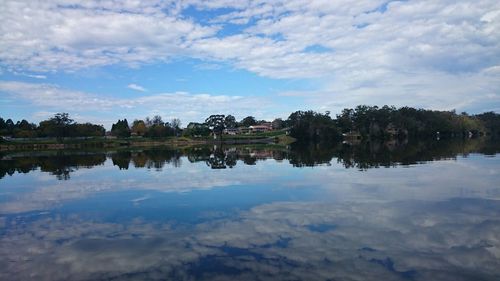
(58,163)
(362,156)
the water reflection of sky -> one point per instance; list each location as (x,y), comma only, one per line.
(269,221)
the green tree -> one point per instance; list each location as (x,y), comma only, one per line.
(121,129)
(248,121)
(196,129)
(175,123)
(310,126)
(230,121)
(216,123)
(277,124)
(57,126)
(62,119)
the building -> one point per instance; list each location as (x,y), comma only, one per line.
(260,128)
(244,130)
(231,131)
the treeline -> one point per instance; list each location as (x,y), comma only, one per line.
(388,122)
(362,122)
(59,126)
(150,127)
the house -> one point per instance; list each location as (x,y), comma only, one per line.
(231,131)
(260,128)
(244,130)
(352,135)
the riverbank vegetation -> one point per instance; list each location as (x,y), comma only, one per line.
(360,123)
(372,122)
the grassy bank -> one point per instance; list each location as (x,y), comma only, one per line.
(101,142)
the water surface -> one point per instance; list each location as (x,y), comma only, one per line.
(420,211)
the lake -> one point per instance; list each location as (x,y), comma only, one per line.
(374,211)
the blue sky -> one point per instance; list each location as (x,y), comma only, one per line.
(105,60)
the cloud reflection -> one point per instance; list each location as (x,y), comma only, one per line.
(414,240)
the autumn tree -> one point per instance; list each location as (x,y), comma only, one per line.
(139,128)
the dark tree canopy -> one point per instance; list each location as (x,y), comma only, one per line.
(62,119)
(196,130)
(312,126)
(230,121)
(121,128)
(248,121)
(59,126)
(216,123)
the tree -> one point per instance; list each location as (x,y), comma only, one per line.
(3,127)
(277,124)
(24,129)
(230,121)
(491,122)
(216,123)
(196,129)
(86,130)
(121,129)
(57,126)
(312,126)
(157,121)
(248,121)
(139,128)
(9,125)
(62,119)
(175,123)
(157,128)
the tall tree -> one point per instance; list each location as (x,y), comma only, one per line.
(139,127)
(175,123)
(230,121)
(121,129)
(216,123)
(62,119)
(248,121)
(57,126)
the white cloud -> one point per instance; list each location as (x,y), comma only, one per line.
(443,35)
(473,92)
(36,76)
(371,50)
(66,35)
(136,87)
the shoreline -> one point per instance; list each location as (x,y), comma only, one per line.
(177,142)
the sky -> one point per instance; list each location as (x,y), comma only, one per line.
(101,61)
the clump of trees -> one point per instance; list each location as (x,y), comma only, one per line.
(22,129)
(150,127)
(386,121)
(194,129)
(121,129)
(490,121)
(390,122)
(216,124)
(59,126)
(310,126)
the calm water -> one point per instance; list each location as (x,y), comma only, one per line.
(425,211)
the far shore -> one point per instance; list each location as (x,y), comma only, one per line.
(101,142)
